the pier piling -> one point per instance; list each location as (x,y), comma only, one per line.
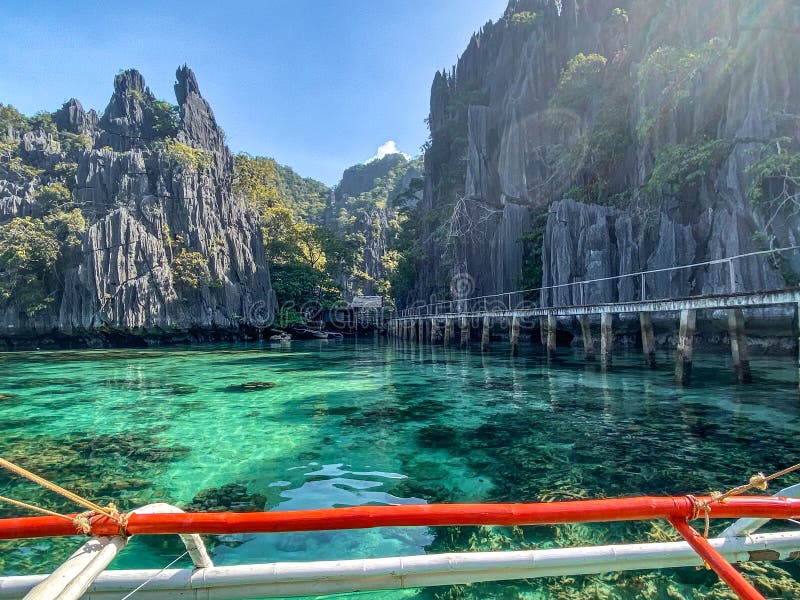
(514,336)
(739,351)
(586,332)
(606,339)
(683,360)
(448,331)
(486,334)
(648,341)
(465,332)
(552,325)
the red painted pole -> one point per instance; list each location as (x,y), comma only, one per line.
(743,588)
(360,517)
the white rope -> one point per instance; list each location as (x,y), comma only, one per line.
(132,592)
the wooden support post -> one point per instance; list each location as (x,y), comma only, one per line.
(486,334)
(448,330)
(683,360)
(586,332)
(465,332)
(648,340)
(514,336)
(552,325)
(421,330)
(739,353)
(542,331)
(606,339)
(434,330)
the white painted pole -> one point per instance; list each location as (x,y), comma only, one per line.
(747,526)
(332,577)
(73,577)
(193,542)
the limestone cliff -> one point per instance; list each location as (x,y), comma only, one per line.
(365,206)
(657,119)
(161,247)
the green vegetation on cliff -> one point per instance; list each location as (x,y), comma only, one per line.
(369,209)
(32,246)
(305,259)
(579,81)
(679,168)
(28,255)
(190,270)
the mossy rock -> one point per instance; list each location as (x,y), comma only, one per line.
(231,497)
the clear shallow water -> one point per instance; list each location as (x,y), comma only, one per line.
(354,423)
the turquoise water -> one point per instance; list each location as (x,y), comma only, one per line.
(352,423)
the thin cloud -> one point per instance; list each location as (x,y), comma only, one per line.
(390,147)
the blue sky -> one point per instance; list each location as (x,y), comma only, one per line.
(317,84)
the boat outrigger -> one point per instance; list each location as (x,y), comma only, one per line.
(84,574)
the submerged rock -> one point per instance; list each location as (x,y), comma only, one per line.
(251,386)
(182,389)
(231,497)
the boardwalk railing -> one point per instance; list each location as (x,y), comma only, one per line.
(723,274)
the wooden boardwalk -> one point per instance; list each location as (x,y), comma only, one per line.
(438,322)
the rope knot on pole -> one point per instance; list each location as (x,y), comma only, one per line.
(759,481)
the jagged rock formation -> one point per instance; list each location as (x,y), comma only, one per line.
(653,131)
(166,251)
(365,204)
